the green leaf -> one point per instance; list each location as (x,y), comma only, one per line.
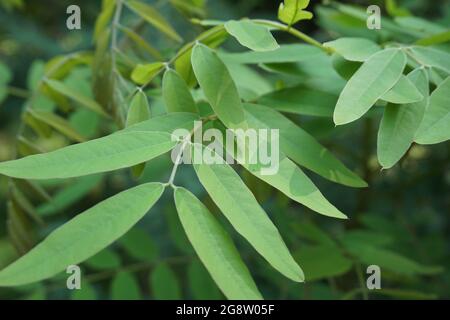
(375,77)
(404,91)
(83,236)
(434,126)
(166,123)
(144,73)
(354,49)
(140,42)
(152,16)
(251,35)
(400,123)
(139,109)
(290,12)
(124,286)
(215,248)
(105,259)
(218,86)
(212,38)
(321,262)
(58,123)
(176,93)
(164,283)
(240,207)
(76,96)
(432,57)
(116,151)
(301,146)
(5,74)
(138,244)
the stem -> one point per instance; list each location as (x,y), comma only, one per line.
(18,92)
(296,33)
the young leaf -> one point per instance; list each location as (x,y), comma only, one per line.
(435,124)
(152,16)
(400,123)
(301,146)
(252,35)
(144,73)
(124,286)
(109,153)
(139,109)
(290,12)
(240,207)
(164,283)
(218,86)
(215,248)
(83,236)
(375,77)
(77,96)
(404,91)
(354,49)
(176,93)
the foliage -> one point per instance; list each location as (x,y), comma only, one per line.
(87,113)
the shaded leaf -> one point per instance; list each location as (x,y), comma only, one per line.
(152,16)
(354,49)
(176,93)
(218,86)
(164,283)
(240,207)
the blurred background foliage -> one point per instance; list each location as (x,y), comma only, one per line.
(399,223)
